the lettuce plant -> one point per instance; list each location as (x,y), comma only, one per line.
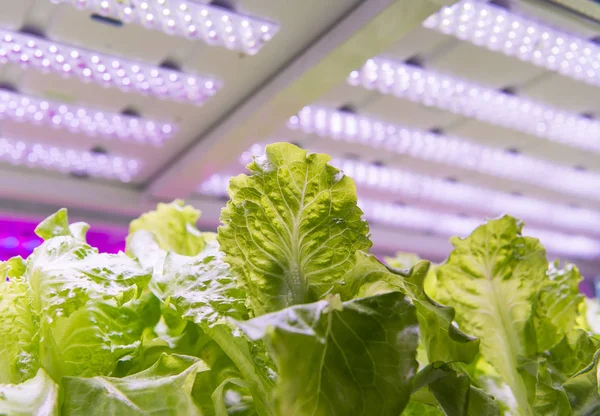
(285,312)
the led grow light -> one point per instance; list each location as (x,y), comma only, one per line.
(471,100)
(447,225)
(452,151)
(107,70)
(79,119)
(68,160)
(410,186)
(214,25)
(498,29)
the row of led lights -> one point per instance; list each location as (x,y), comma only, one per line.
(211,24)
(107,70)
(349,127)
(70,61)
(68,160)
(413,187)
(424,220)
(497,29)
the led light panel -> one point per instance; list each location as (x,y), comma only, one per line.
(214,25)
(471,100)
(109,71)
(79,119)
(447,225)
(68,160)
(414,186)
(498,29)
(349,127)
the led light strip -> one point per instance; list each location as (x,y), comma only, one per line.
(349,127)
(413,187)
(442,224)
(79,119)
(68,160)
(498,29)
(214,25)
(109,71)
(471,100)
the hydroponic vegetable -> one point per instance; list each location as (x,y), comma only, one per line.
(285,312)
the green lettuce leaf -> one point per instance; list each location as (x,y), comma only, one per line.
(414,408)
(64,274)
(334,358)
(582,389)
(573,363)
(57,225)
(173,227)
(165,389)
(291,228)
(84,302)
(402,260)
(559,301)
(442,340)
(492,278)
(202,290)
(37,396)
(18,332)
(442,387)
(547,396)
(92,340)
(12,268)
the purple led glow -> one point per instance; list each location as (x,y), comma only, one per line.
(79,119)
(107,70)
(68,160)
(214,25)
(18,239)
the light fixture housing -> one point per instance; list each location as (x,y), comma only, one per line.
(387,137)
(81,119)
(211,24)
(501,30)
(53,158)
(475,101)
(107,70)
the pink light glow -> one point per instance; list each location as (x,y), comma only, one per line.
(18,239)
